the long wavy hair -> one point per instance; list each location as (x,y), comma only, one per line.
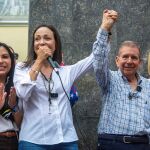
(57,54)
(9,77)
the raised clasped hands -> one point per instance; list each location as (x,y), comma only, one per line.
(109,18)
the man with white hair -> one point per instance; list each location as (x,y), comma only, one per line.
(125,117)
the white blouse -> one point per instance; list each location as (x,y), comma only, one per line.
(6,125)
(43,124)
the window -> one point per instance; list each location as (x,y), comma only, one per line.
(14,11)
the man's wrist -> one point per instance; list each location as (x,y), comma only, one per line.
(105,27)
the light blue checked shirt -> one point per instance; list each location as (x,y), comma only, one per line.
(124,111)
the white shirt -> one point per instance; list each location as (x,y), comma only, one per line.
(6,125)
(38,126)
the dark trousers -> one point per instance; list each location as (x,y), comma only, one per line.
(104,144)
(8,143)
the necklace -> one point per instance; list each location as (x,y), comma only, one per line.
(49,88)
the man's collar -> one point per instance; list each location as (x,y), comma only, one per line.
(139,79)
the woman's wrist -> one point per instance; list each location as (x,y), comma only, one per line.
(35,71)
(15,109)
(36,66)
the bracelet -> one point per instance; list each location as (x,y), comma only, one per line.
(15,109)
(35,71)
